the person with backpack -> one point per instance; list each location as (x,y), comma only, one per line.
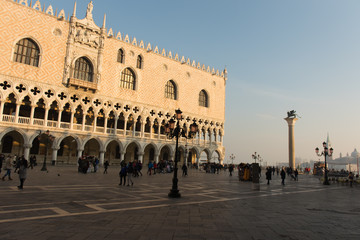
(106,165)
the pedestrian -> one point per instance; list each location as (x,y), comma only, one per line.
(283,175)
(106,165)
(8,168)
(122,174)
(129,171)
(2,159)
(150,167)
(231,168)
(268,175)
(184,169)
(351,178)
(296,173)
(23,165)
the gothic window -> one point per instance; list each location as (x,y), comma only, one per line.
(139,62)
(121,56)
(203,99)
(127,79)
(170,90)
(27,52)
(83,69)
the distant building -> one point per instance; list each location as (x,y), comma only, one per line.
(99,94)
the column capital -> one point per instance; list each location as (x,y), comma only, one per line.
(290,121)
(27,145)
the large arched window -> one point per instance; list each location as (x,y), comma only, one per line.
(121,56)
(83,69)
(203,99)
(170,90)
(127,79)
(139,62)
(27,52)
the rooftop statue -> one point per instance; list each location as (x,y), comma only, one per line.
(292,114)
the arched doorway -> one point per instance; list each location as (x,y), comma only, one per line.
(131,152)
(149,154)
(12,143)
(112,154)
(92,148)
(68,151)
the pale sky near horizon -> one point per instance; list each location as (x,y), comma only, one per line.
(280,55)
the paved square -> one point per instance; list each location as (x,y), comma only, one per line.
(64,204)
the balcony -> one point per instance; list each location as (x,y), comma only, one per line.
(78,83)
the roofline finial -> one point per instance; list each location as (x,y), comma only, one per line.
(74,12)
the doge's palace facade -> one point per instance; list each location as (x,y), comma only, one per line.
(99,93)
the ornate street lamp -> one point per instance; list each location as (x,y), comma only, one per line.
(176,131)
(254,156)
(325,153)
(232,157)
(48,139)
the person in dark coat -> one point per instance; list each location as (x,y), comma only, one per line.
(268,175)
(283,175)
(23,165)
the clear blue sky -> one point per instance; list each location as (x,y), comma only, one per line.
(280,55)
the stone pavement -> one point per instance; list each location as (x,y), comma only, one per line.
(63,204)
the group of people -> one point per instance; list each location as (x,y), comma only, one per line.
(19,163)
(129,170)
(88,164)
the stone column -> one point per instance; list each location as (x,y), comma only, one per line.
(83,122)
(140,156)
(102,155)
(17,111)
(72,120)
(54,155)
(105,124)
(27,151)
(46,117)
(125,126)
(291,123)
(122,156)
(95,123)
(2,103)
(32,114)
(80,152)
(156,158)
(59,119)
(198,162)
(115,125)
(142,129)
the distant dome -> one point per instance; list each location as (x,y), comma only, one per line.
(355,153)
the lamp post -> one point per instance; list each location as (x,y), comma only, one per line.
(171,132)
(232,157)
(254,156)
(325,153)
(49,138)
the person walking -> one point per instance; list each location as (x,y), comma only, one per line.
(2,159)
(122,174)
(296,173)
(351,179)
(23,165)
(8,168)
(130,171)
(150,167)
(231,169)
(268,175)
(184,169)
(283,175)
(106,165)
